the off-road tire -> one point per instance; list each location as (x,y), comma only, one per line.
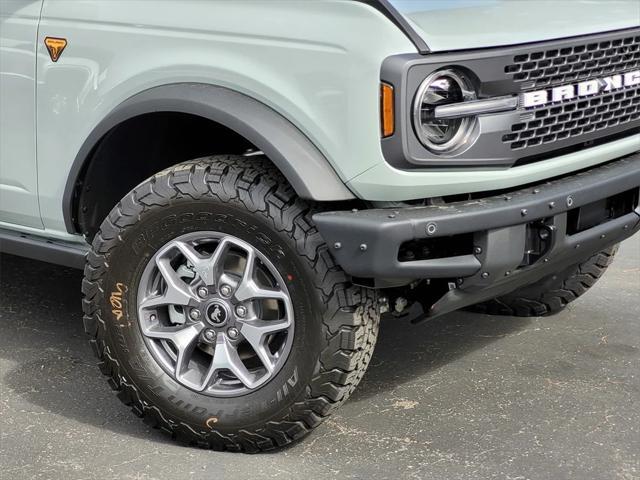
(340,320)
(553,293)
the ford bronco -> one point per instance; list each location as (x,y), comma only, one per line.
(249,185)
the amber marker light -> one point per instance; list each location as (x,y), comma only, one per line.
(387,110)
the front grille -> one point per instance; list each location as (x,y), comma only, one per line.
(578,117)
(546,124)
(574,63)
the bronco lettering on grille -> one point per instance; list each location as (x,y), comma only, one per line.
(582,89)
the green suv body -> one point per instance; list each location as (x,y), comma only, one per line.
(249,185)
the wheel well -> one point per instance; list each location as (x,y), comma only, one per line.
(138,148)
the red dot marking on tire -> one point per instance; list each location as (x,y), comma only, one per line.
(289,277)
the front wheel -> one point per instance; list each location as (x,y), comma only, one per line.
(217,311)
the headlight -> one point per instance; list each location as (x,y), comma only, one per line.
(443,135)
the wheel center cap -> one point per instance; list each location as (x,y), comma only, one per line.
(217,314)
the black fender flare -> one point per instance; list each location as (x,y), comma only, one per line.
(299,160)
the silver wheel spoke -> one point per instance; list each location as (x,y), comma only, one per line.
(184,339)
(177,292)
(225,357)
(215,263)
(199,263)
(256,332)
(249,289)
(209,269)
(190,253)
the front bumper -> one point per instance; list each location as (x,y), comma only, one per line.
(497,249)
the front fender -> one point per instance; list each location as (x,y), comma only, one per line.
(308,171)
(317,64)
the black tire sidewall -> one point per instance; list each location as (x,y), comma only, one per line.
(125,342)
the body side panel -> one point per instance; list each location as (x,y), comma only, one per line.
(317,63)
(18,168)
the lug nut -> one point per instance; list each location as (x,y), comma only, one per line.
(203,292)
(241,310)
(195,314)
(233,333)
(225,290)
(209,335)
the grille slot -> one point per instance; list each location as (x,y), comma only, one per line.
(575,63)
(575,118)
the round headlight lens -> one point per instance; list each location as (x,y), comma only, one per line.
(442,135)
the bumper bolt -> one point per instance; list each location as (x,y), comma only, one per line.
(337,245)
(153,318)
(194,314)
(543,234)
(569,201)
(485,275)
(507,273)
(603,236)
(241,311)
(431,228)
(233,333)
(477,250)
(209,335)
(524,212)
(225,290)
(363,247)
(203,292)
(552,205)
